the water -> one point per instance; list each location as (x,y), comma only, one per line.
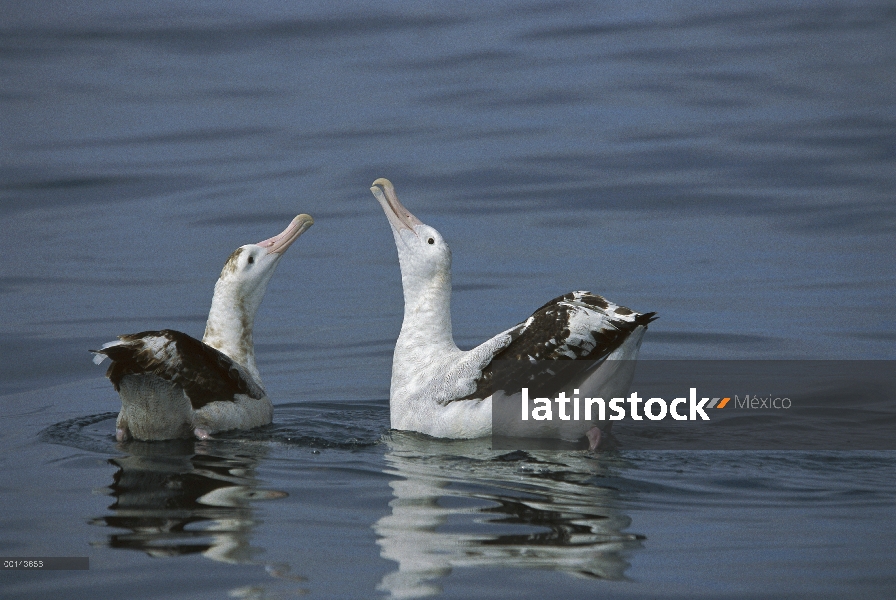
(731,167)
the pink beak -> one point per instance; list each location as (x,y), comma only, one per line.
(281,242)
(399,217)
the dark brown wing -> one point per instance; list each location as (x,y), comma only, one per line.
(575,326)
(205,374)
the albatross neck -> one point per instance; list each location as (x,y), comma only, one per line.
(229,326)
(427,313)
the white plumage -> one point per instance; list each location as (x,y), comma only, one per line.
(440,390)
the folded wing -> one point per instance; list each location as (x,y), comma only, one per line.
(576,326)
(206,374)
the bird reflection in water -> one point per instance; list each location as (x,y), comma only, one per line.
(186,497)
(460,504)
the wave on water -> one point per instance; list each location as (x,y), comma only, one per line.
(315,425)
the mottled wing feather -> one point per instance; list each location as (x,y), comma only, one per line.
(205,374)
(576,326)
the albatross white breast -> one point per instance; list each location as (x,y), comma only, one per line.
(174,386)
(442,391)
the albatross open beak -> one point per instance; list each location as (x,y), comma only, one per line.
(279,243)
(399,217)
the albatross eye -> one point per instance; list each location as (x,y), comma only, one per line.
(431,241)
(251,259)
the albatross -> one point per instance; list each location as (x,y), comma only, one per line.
(445,392)
(174,386)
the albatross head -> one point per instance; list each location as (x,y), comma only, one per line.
(425,261)
(422,253)
(240,290)
(249,269)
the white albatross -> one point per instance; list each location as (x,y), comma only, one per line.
(443,391)
(174,386)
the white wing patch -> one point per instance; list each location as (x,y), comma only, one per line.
(99,356)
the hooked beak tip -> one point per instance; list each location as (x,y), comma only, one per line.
(385,183)
(399,217)
(281,242)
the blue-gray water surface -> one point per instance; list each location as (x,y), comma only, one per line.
(728,165)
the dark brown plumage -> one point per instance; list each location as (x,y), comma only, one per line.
(206,374)
(543,346)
